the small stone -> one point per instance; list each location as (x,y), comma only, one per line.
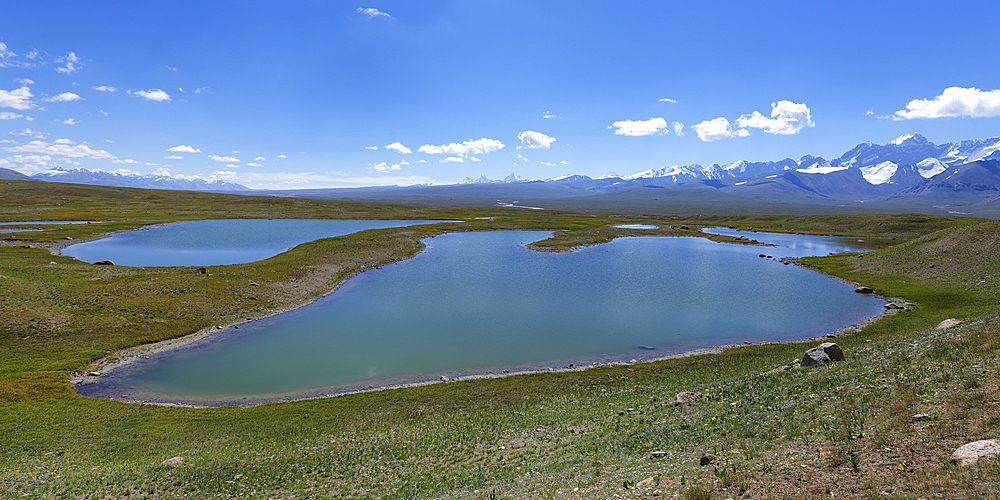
(709,459)
(94,374)
(686,397)
(657,454)
(949,323)
(444,379)
(864,289)
(172,462)
(921,416)
(970,453)
(893,305)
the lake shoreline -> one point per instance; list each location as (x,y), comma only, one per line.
(132,355)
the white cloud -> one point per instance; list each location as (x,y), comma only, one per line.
(29,164)
(184,149)
(32,133)
(173,157)
(371,12)
(954,102)
(105,88)
(473,158)
(453,159)
(383,167)
(678,128)
(223,158)
(640,127)
(534,140)
(476,147)
(399,148)
(372,148)
(172,68)
(130,161)
(7,115)
(564,162)
(19,99)
(64,97)
(251,164)
(71,61)
(547,164)
(63,141)
(260,158)
(548,114)
(230,165)
(24,81)
(519,157)
(62,147)
(667,100)
(70,121)
(787,118)
(713,130)
(6,56)
(152,94)
(282,156)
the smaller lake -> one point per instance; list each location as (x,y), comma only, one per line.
(478,303)
(218,242)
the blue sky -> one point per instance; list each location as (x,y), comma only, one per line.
(308,94)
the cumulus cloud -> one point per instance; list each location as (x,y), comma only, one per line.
(476,147)
(27,164)
(19,99)
(152,95)
(787,118)
(954,102)
(282,156)
(372,148)
(399,148)
(64,97)
(549,114)
(719,128)
(62,147)
(640,127)
(70,121)
(125,161)
(251,164)
(260,158)
(7,115)
(24,81)
(678,128)
(70,61)
(534,140)
(667,100)
(371,13)
(223,158)
(383,167)
(453,159)
(173,157)
(184,149)
(105,88)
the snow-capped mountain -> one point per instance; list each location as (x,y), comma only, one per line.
(149,181)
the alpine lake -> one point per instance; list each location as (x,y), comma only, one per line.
(476,304)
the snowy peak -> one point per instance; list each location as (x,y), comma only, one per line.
(913,139)
(147,181)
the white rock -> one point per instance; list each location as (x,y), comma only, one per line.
(970,453)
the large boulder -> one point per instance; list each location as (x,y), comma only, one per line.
(683,398)
(822,354)
(949,323)
(970,453)
(172,462)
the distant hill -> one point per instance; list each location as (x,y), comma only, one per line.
(12,175)
(148,181)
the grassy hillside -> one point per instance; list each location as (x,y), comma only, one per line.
(846,429)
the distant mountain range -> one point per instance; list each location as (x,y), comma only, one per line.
(148,181)
(907,174)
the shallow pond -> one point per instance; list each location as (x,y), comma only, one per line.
(218,242)
(478,303)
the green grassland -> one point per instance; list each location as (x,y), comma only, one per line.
(846,429)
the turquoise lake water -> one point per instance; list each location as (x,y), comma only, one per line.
(218,242)
(478,303)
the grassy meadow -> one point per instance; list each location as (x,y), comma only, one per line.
(881,424)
